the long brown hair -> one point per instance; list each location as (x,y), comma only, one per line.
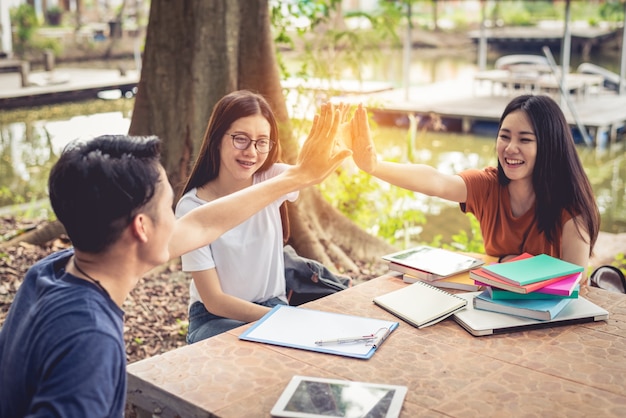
(559,180)
(236,105)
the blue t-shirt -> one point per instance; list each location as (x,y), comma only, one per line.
(62,347)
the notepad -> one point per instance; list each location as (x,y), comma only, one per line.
(295,327)
(420,304)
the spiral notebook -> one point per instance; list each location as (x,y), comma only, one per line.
(421,304)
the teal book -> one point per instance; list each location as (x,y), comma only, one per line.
(534,269)
(501,294)
(541,309)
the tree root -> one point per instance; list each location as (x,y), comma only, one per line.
(322,233)
(38,236)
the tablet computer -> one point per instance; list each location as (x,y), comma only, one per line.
(314,397)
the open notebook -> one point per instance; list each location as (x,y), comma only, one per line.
(420,304)
(480,322)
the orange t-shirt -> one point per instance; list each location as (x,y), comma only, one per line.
(503,233)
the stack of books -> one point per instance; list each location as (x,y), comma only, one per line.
(537,287)
(435,266)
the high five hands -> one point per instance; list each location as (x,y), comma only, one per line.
(322,151)
(333,138)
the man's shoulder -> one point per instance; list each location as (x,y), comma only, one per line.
(55,258)
(58,300)
(41,274)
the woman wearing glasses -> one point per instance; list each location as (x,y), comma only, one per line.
(241,275)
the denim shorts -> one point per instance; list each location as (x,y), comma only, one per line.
(203,324)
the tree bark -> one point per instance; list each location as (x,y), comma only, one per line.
(196,52)
(189,63)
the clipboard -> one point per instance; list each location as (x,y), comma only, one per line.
(295,327)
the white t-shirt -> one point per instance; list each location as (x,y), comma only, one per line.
(248,258)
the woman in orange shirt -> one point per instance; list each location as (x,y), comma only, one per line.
(537,200)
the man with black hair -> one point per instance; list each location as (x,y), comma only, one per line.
(62,349)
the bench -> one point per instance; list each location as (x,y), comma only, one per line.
(10,65)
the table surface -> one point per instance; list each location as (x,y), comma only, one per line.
(573,371)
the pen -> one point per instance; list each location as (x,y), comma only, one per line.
(379,340)
(347,340)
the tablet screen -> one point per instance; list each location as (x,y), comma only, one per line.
(319,397)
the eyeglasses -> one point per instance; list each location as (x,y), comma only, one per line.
(241,141)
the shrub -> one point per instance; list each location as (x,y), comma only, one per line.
(25,19)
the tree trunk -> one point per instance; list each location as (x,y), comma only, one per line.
(189,63)
(196,52)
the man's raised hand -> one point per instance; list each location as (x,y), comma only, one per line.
(321,153)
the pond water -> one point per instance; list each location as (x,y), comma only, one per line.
(31,140)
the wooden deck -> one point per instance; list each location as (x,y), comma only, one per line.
(465,104)
(62,85)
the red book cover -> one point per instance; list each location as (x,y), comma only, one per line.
(483,278)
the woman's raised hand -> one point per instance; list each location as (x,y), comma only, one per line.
(363,150)
(344,134)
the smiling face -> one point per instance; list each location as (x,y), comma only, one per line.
(517,146)
(238,164)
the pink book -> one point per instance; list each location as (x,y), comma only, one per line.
(563,287)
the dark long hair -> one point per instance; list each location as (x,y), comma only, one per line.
(233,106)
(559,180)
